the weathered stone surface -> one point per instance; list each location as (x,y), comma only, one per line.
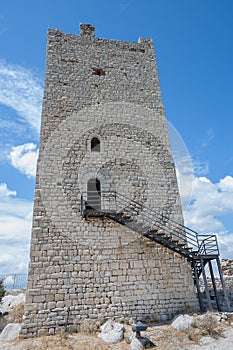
(3,322)
(227,267)
(143,342)
(97,268)
(112,332)
(10,332)
(136,345)
(206,340)
(183,322)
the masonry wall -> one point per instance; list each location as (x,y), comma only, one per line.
(97,268)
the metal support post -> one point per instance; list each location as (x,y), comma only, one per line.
(198,286)
(214,285)
(223,284)
(206,285)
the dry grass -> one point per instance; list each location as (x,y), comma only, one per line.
(90,326)
(165,337)
(209,326)
(16,313)
(78,341)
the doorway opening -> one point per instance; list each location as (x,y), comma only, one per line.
(93,194)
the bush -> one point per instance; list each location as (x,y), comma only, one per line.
(2,290)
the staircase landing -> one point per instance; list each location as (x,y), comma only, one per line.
(200,250)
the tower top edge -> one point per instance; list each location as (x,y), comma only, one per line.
(88,31)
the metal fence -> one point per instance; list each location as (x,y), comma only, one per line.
(14,281)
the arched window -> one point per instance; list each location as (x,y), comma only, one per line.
(93,194)
(95,144)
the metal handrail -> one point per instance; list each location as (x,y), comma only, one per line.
(160,228)
(208,245)
(149,219)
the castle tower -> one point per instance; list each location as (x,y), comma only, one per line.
(104,164)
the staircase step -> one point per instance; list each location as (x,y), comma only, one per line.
(154,230)
(161,233)
(182,245)
(125,216)
(149,235)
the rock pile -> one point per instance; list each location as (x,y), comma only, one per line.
(227,267)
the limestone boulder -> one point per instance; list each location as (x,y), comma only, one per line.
(112,332)
(183,322)
(136,345)
(10,332)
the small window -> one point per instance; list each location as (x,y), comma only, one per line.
(95,144)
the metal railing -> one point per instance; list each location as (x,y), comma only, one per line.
(14,280)
(148,219)
(157,225)
(208,245)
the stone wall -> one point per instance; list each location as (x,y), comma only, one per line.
(97,268)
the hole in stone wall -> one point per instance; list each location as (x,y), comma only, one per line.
(98,71)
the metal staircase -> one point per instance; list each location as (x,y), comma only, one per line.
(199,250)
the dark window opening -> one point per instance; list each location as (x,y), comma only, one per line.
(98,71)
(93,194)
(95,144)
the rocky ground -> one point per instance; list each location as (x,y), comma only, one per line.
(165,338)
(190,332)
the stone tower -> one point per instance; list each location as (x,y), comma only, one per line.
(103,131)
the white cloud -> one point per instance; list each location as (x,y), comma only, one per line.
(226,184)
(22,91)
(225,240)
(11,129)
(205,204)
(24,157)
(183,163)
(15,228)
(210,202)
(212,198)
(5,193)
(200,168)
(14,258)
(185,183)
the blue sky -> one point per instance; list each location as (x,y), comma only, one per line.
(194,50)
